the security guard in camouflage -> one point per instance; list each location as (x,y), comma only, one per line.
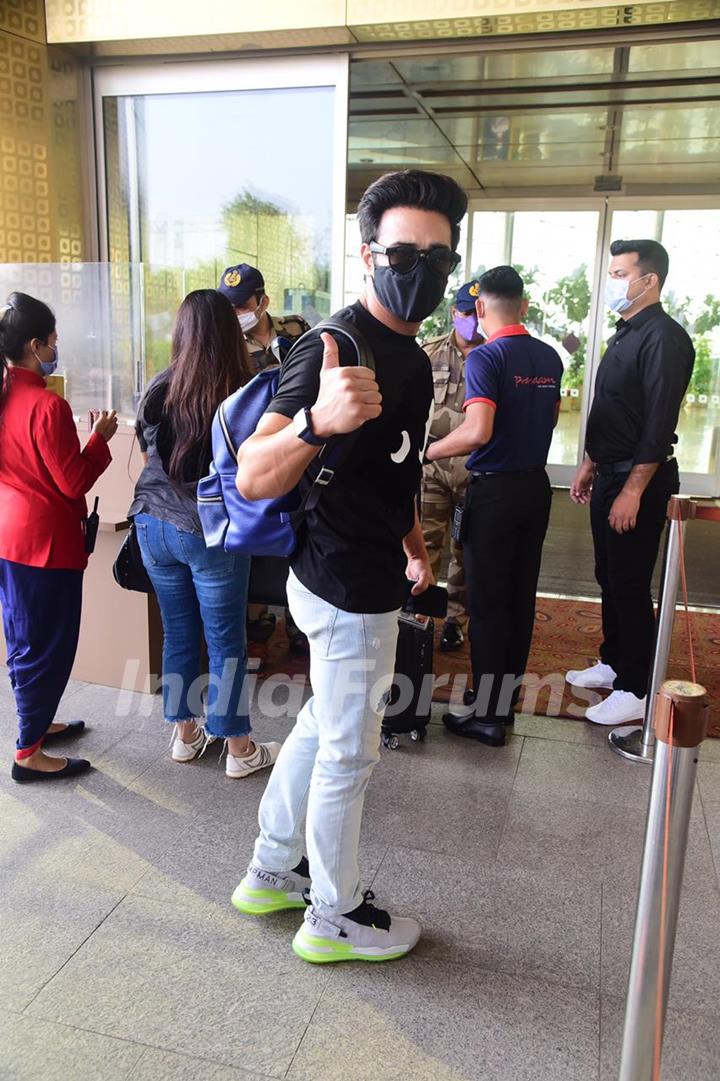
(268,337)
(268,340)
(444,482)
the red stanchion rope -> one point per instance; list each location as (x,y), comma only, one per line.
(657,1049)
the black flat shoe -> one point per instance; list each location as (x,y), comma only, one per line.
(24,775)
(452,638)
(493,734)
(73,729)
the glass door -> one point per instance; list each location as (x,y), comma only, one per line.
(206,165)
(555,251)
(692,296)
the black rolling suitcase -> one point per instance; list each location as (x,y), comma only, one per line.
(410,697)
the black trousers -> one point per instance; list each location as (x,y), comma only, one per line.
(624,565)
(508,516)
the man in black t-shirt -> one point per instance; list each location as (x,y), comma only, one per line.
(354,554)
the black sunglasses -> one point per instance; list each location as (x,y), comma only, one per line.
(403,258)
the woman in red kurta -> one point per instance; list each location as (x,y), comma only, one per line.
(44,476)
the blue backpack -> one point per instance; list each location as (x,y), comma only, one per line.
(264,527)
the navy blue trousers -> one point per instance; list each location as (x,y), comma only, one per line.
(41,619)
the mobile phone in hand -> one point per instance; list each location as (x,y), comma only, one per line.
(432,602)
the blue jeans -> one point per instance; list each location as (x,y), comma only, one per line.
(198,589)
(325,764)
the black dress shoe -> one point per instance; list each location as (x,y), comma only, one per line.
(261,630)
(23,774)
(299,645)
(74,728)
(492,733)
(452,638)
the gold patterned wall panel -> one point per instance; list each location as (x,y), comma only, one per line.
(24,18)
(416,20)
(139,26)
(41,203)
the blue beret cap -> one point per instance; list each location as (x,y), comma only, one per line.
(238,283)
(466,296)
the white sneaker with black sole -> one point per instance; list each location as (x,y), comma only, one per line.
(597,677)
(621,707)
(365,934)
(264,755)
(272,891)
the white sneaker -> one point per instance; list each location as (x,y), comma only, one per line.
(263,756)
(597,676)
(621,707)
(272,891)
(186,752)
(365,934)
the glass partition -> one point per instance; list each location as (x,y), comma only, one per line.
(95,307)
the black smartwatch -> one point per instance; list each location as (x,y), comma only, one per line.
(302,423)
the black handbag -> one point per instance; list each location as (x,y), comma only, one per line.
(128,569)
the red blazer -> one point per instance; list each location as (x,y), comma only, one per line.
(44,476)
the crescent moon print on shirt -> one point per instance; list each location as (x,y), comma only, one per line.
(400,455)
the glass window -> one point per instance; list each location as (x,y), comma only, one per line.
(554,251)
(200,181)
(675,56)
(690,295)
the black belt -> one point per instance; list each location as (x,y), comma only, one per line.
(609,469)
(509,472)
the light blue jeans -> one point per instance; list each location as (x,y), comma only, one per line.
(199,590)
(326,761)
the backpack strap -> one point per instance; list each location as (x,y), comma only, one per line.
(331,457)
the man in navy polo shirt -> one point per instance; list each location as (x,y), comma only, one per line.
(511,407)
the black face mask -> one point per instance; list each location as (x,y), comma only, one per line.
(412,296)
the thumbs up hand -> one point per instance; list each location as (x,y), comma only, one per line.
(348,396)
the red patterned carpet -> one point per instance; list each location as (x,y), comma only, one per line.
(567,633)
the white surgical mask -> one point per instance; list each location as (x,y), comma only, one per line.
(248,321)
(616,294)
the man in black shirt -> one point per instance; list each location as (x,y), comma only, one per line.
(630,471)
(355,552)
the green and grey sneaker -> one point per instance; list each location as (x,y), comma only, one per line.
(365,934)
(272,891)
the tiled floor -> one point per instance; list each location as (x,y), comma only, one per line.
(122,958)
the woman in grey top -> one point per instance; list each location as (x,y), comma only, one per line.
(199,589)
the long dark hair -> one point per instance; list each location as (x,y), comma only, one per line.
(209,361)
(22,318)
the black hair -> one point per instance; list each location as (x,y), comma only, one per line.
(209,361)
(503,282)
(23,319)
(651,256)
(413,188)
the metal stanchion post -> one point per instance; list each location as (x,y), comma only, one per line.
(638,743)
(681,715)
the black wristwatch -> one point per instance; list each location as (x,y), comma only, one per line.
(302,422)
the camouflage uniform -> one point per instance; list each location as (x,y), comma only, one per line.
(444,482)
(286,330)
